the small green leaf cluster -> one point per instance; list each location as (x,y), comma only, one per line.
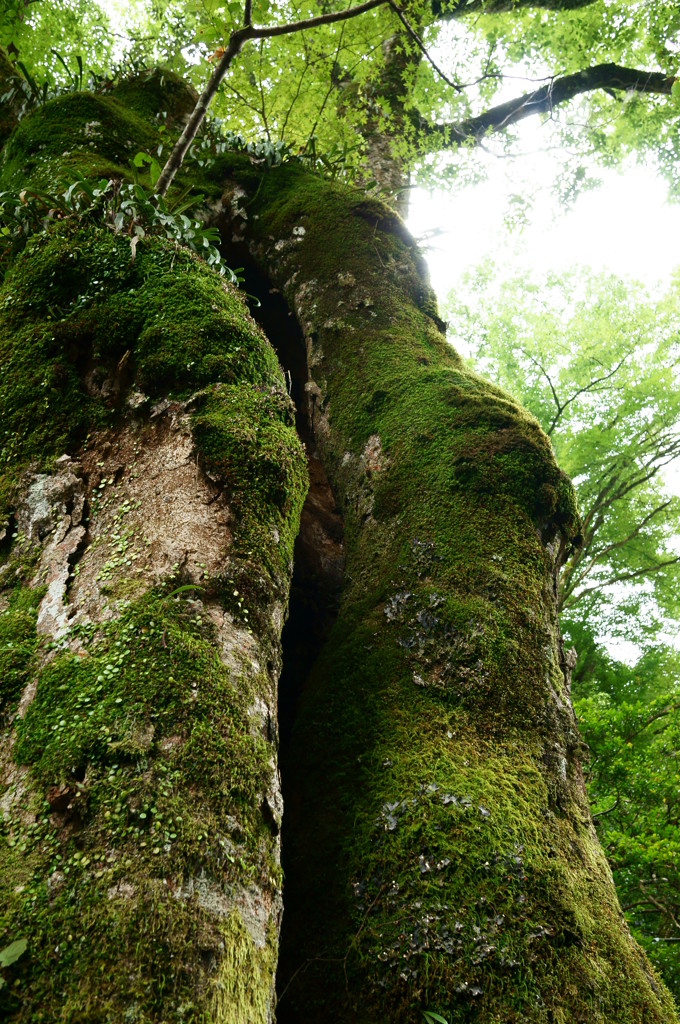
(10,954)
(216,141)
(336,162)
(125,208)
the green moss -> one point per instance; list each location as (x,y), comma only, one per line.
(111,739)
(73,306)
(158,95)
(78,135)
(18,643)
(241,988)
(246,436)
(138,821)
(439,842)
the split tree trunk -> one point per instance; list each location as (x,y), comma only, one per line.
(441,853)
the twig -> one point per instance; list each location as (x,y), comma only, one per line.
(421,46)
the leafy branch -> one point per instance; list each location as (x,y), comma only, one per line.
(235,43)
(558,90)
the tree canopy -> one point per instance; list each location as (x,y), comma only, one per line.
(433,78)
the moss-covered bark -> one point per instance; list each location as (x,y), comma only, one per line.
(151,489)
(441,849)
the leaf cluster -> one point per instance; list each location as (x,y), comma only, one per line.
(123,207)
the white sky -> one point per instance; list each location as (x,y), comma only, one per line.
(626,226)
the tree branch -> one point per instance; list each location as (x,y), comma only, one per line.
(544,100)
(622,578)
(603,552)
(667,710)
(320,19)
(421,46)
(449,9)
(586,387)
(236,40)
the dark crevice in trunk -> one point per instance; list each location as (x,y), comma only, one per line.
(7,538)
(317,574)
(319,549)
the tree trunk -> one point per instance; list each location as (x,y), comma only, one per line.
(438,847)
(152,493)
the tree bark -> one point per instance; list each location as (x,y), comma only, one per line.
(151,493)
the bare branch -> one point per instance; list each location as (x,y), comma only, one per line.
(599,555)
(320,19)
(449,9)
(560,407)
(624,578)
(543,100)
(667,710)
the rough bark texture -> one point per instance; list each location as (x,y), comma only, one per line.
(147,553)
(441,849)
(441,852)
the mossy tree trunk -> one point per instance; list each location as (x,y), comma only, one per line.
(441,849)
(151,493)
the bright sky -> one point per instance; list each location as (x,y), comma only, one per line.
(626,226)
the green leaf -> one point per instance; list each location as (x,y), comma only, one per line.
(434,1018)
(154,172)
(11,953)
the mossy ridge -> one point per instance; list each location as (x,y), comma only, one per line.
(240,990)
(78,135)
(86,135)
(18,645)
(84,322)
(454,518)
(245,434)
(158,95)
